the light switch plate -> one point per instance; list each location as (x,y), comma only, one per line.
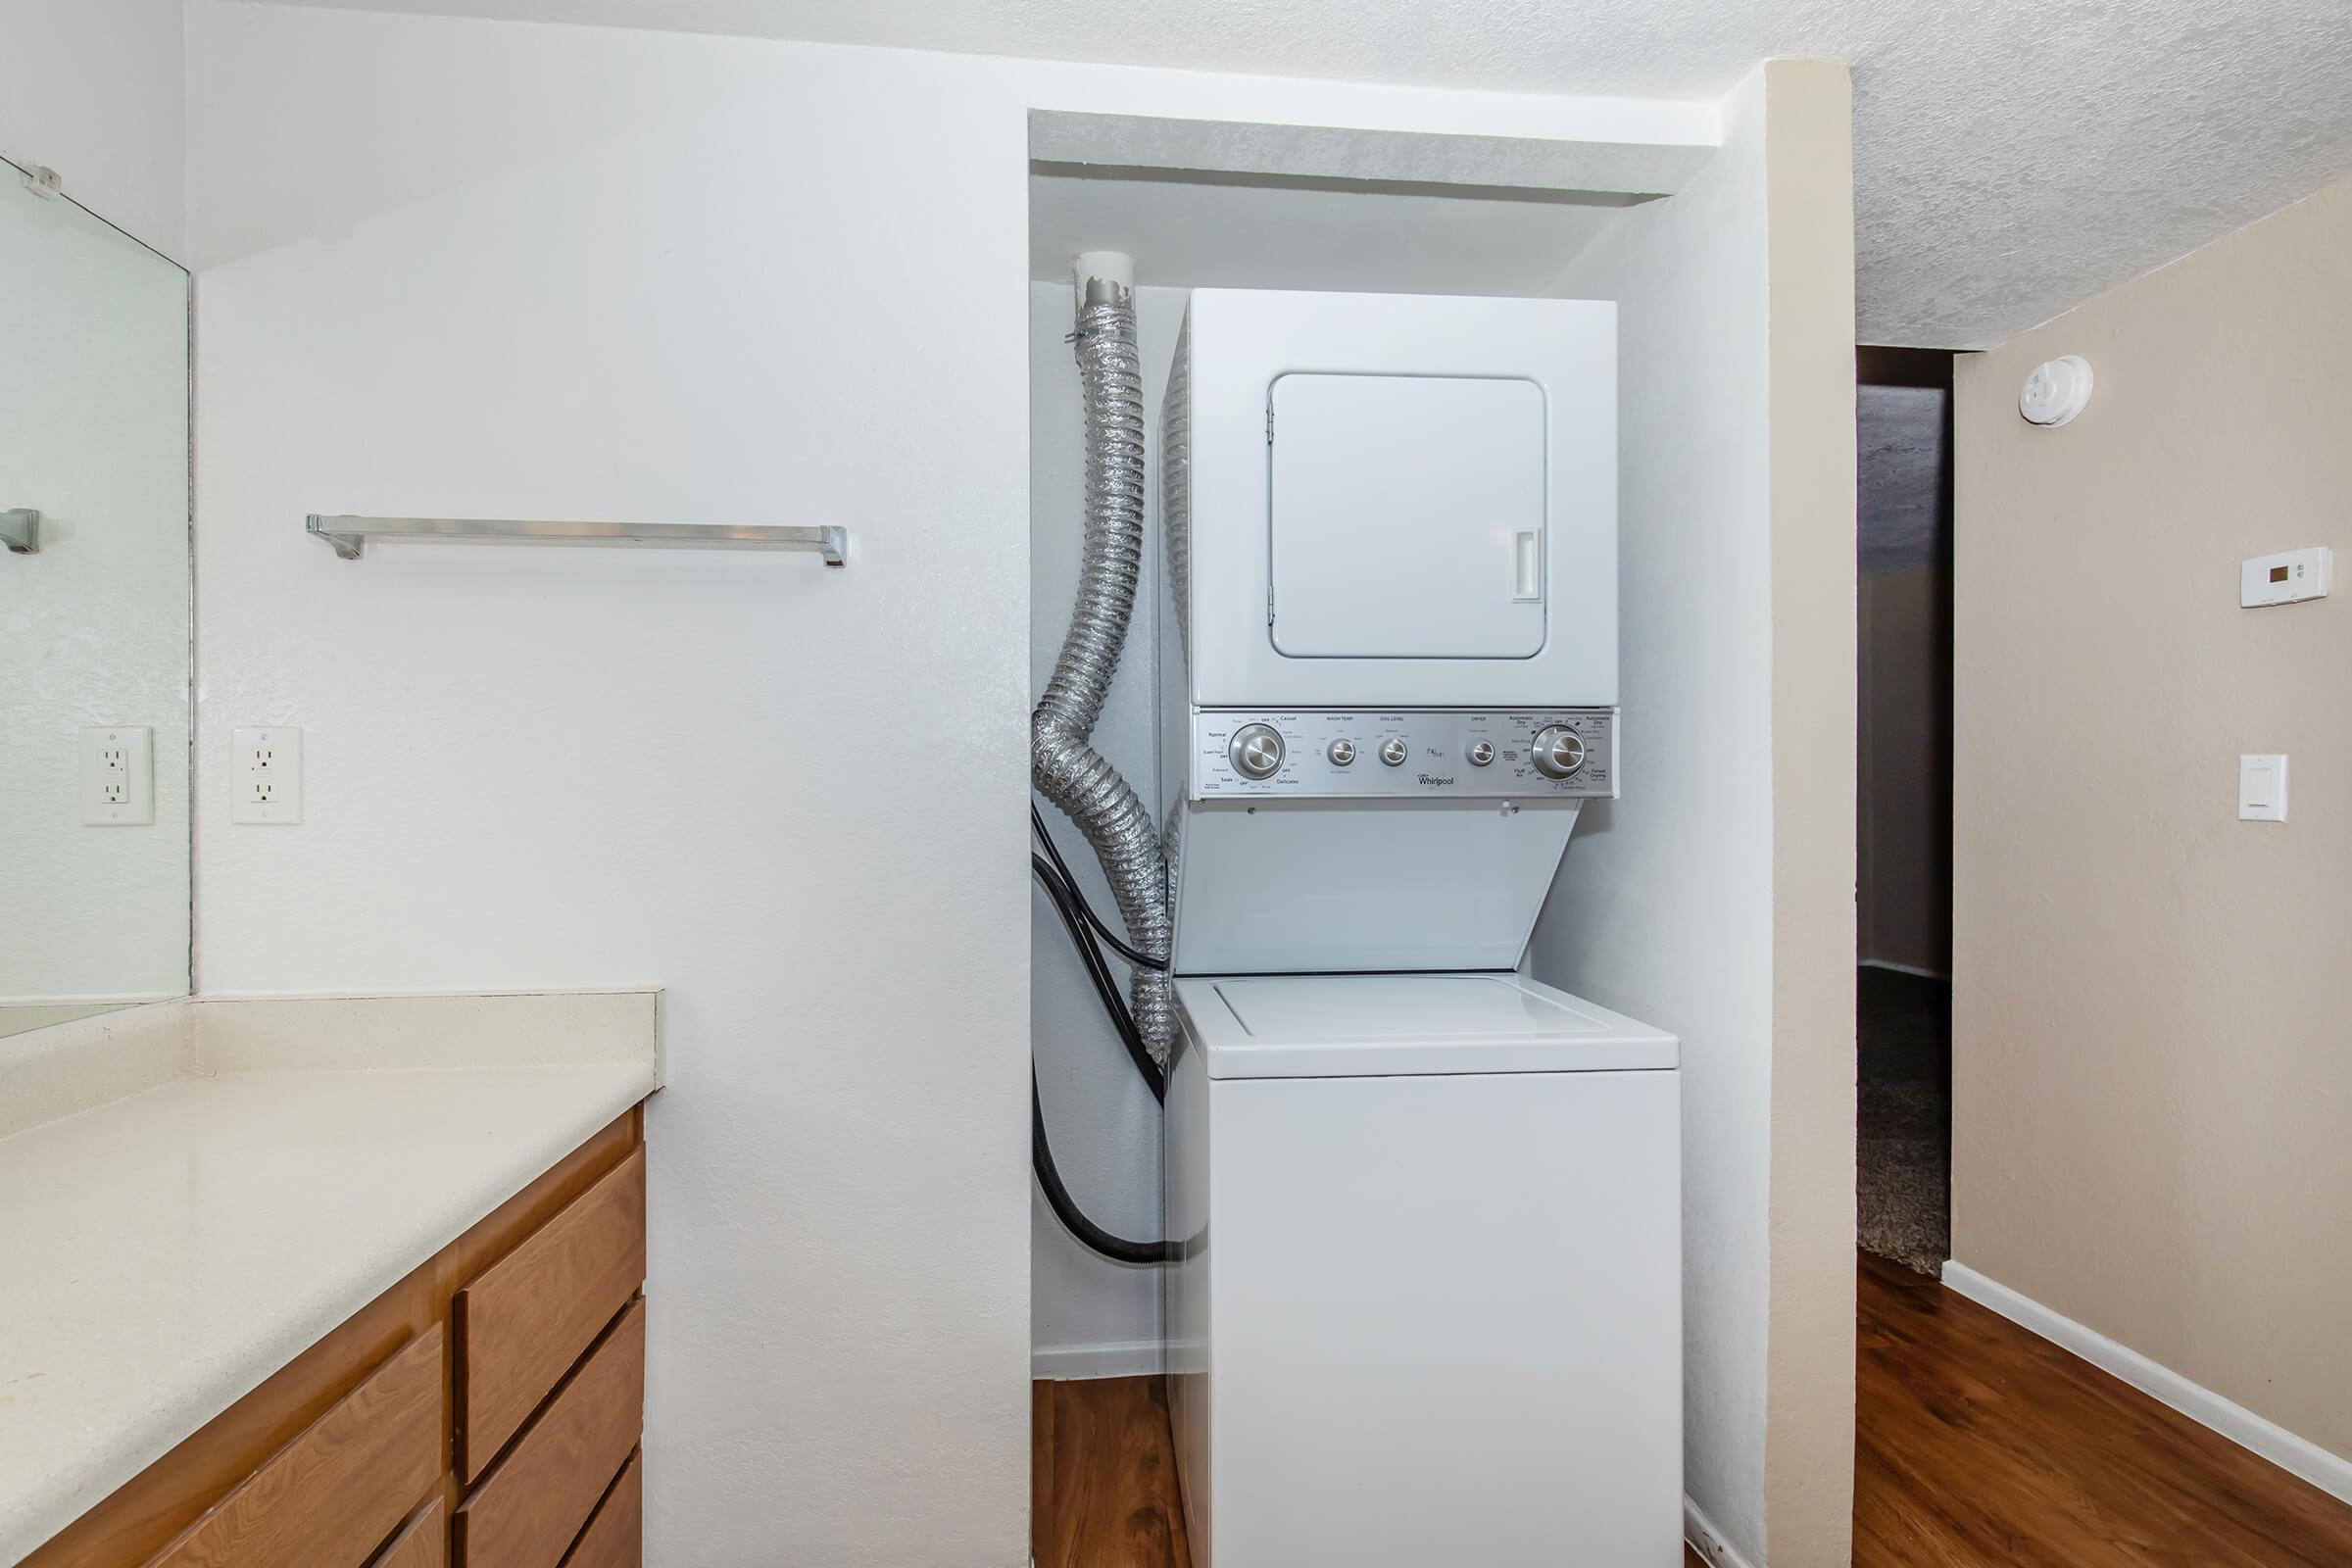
(266,775)
(2285,578)
(117,776)
(2262,787)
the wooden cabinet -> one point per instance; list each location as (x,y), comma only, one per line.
(614,1536)
(525,1320)
(538,1498)
(492,1402)
(422,1542)
(329,1499)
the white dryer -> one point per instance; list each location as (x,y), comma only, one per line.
(1428,1310)
(1388,655)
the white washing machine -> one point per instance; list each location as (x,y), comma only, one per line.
(1430,1307)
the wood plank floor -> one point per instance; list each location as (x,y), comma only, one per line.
(1978,1446)
(1977,1442)
(1103,1476)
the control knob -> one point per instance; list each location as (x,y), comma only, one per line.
(1256,751)
(1342,753)
(1558,750)
(1394,751)
(1481,752)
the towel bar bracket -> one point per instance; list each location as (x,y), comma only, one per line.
(21,530)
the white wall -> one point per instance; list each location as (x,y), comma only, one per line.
(95,92)
(552,271)
(1091,1316)
(1663,905)
(511,270)
(1668,902)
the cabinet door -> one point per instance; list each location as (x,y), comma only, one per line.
(525,1320)
(1407,516)
(422,1542)
(531,1506)
(615,1536)
(329,1499)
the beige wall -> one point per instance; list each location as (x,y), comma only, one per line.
(1809,1369)
(2152,1074)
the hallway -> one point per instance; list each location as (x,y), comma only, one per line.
(1978,1446)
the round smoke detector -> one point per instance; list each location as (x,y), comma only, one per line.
(2056,390)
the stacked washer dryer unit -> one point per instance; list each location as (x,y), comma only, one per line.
(1429,1304)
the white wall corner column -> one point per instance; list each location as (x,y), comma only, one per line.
(1716,899)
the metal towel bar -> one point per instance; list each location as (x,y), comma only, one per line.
(350,535)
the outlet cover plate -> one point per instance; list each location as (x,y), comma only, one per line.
(266,775)
(117,776)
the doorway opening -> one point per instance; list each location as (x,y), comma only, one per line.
(1904,828)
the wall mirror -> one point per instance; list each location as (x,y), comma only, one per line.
(94,614)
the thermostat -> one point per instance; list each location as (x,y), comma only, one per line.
(2284,578)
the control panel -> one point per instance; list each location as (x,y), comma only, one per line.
(1441,753)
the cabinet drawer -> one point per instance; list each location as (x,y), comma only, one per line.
(615,1536)
(330,1497)
(525,1320)
(530,1507)
(422,1544)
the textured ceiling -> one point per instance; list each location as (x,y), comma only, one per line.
(2012,156)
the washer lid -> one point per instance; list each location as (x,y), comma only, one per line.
(1390,1025)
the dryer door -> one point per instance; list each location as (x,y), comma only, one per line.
(1407,516)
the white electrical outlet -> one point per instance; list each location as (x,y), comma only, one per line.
(117,776)
(266,775)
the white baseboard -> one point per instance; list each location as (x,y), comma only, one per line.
(1121,1358)
(1921,970)
(2330,1473)
(1707,1540)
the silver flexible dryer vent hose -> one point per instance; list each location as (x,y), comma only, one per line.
(1063,764)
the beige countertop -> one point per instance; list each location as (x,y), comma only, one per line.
(274,1168)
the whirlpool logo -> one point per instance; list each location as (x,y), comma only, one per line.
(1434,782)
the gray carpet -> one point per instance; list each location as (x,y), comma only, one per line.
(1904,1117)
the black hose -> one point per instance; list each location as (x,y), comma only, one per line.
(1076,920)
(1098,970)
(1118,944)
(1117,1248)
